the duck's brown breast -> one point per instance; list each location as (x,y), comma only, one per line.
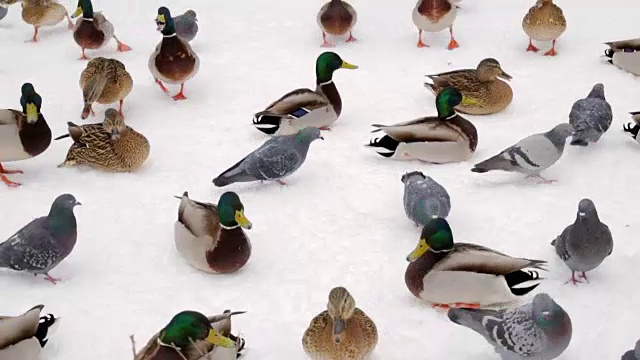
(337,19)
(174,60)
(36,137)
(416,271)
(88,36)
(231,252)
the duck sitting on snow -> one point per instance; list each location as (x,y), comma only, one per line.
(434,16)
(23,337)
(440,139)
(302,108)
(23,134)
(211,238)
(41,13)
(449,274)
(625,54)
(93,30)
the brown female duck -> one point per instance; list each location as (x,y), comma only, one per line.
(336,18)
(104,81)
(41,13)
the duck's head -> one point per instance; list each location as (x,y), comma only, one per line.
(327,63)
(84,8)
(113,123)
(231,211)
(489,69)
(164,21)
(191,326)
(31,103)
(436,237)
(340,307)
(447,99)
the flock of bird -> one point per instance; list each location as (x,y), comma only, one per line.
(468,280)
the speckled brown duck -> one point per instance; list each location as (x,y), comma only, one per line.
(337,18)
(42,13)
(211,238)
(544,22)
(104,81)
(93,30)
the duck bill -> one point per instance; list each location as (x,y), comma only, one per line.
(115,134)
(216,339)
(346,65)
(32,113)
(242,220)
(418,251)
(504,75)
(77,13)
(160,22)
(338,328)
(468,101)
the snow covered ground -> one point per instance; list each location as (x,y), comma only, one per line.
(340,220)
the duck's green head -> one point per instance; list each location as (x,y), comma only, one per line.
(231,211)
(436,236)
(85,8)
(164,21)
(31,103)
(190,326)
(327,63)
(447,99)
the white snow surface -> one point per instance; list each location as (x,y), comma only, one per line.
(340,220)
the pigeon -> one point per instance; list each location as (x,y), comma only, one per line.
(531,155)
(44,242)
(540,330)
(590,117)
(278,157)
(186,25)
(636,125)
(424,199)
(3,11)
(585,244)
(632,354)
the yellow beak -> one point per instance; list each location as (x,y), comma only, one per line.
(468,101)
(217,339)
(160,18)
(77,13)
(418,251)
(242,220)
(32,113)
(346,65)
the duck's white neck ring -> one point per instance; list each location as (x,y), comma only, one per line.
(85,19)
(451,117)
(229,227)
(326,83)
(171,35)
(167,345)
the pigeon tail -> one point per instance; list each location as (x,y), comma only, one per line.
(473,319)
(493,163)
(236,173)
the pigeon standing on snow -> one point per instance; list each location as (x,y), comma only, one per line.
(531,155)
(636,126)
(585,244)
(540,330)
(278,157)
(186,25)
(3,11)
(424,199)
(590,117)
(632,354)
(43,243)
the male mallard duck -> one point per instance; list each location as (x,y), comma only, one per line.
(41,13)
(210,237)
(104,81)
(110,146)
(633,130)
(192,336)
(480,85)
(624,54)
(336,18)
(434,16)
(173,61)
(303,108)
(544,22)
(466,275)
(440,139)
(23,337)
(93,30)
(23,134)
(342,331)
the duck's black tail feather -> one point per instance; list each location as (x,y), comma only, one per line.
(46,322)
(267,122)
(386,144)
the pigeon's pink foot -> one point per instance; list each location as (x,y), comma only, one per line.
(351,38)
(281,182)
(573,279)
(122,47)
(51,279)
(325,128)
(584,276)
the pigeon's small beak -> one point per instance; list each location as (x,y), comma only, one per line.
(321,138)
(78,203)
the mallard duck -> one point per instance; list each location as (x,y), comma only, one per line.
(173,60)
(23,337)
(434,16)
(210,237)
(41,13)
(303,108)
(440,139)
(336,18)
(544,22)
(104,81)
(624,54)
(634,128)
(109,146)
(23,134)
(192,336)
(93,30)
(466,275)
(3,11)
(342,331)
(480,85)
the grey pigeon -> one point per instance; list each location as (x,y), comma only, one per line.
(636,126)
(278,157)
(584,244)
(590,117)
(540,330)
(632,354)
(424,199)
(3,11)
(531,155)
(44,242)
(186,25)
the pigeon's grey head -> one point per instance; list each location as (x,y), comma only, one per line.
(418,175)
(563,130)
(191,14)
(597,91)
(309,134)
(546,313)
(636,349)
(65,201)
(587,209)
